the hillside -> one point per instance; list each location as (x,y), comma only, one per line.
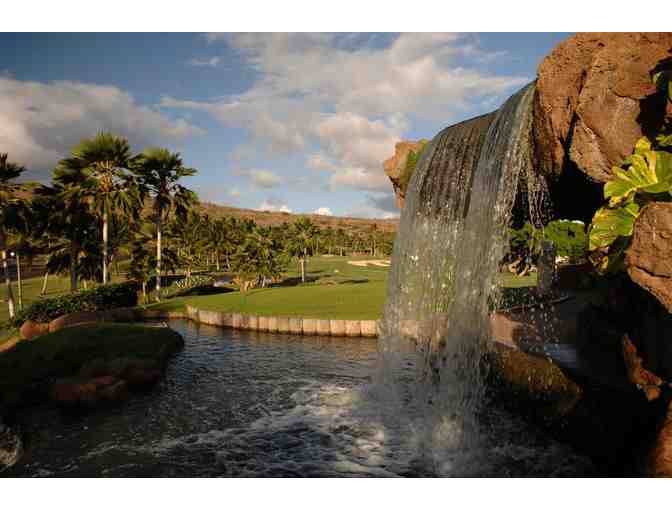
(267,218)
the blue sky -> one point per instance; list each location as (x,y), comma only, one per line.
(299,122)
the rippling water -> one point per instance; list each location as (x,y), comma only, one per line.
(250,404)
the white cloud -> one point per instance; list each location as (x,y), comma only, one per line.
(274,204)
(208,62)
(319,161)
(323,211)
(354,101)
(41,122)
(261,178)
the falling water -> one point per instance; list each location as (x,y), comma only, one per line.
(442,283)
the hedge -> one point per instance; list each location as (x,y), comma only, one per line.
(103,297)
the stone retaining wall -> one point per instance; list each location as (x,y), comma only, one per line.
(287,325)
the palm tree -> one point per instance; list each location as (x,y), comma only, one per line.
(11,209)
(98,168)
(143,257)
(300,241)
(64,218)
(160,171)
(22,244)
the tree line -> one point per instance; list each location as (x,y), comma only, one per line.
(105,204)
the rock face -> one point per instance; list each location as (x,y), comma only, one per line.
(594,100)
(648,258)
(394,167)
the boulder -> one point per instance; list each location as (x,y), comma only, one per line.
(73,392)
(142,375)
(648,258)
(95,368)
(114,392)
(89,392)
(395,166)
(595,99)
(71,319)
(31,329)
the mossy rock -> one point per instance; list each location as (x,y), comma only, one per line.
(64,353)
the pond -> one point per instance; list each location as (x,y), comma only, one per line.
(238,403)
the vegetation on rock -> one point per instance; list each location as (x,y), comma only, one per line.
(645,176)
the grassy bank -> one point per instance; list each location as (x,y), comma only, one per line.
(62,353)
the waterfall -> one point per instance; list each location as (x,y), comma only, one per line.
(442,285)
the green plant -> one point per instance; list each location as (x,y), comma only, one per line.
(411,163)
(569,238)
(103,297)
(644,176)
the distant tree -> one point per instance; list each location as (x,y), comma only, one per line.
(98,168)
(160,172)
(12,212)
(300,242)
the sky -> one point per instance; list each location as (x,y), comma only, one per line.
(293,122)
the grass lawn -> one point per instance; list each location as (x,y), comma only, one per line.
(336,290)
(62,353)
(342,301)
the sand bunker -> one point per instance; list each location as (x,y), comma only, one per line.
(364,263)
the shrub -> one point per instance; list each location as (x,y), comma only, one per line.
(187,286)
(103,297)
(409,168)
(569,237)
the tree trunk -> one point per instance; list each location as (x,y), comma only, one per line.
(8,281)
(144,293)
(105,247)
(303,268)
(86,284)
(18,279)
(44,283)
(74,249)
(158,258)
(217,259)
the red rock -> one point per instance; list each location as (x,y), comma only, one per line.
(142,376)
(114,392)
(94,368)
(648,258)
(660,460)
(395,165)
(31,329)
(105,380)
(593,95)
(74,318)
(66,392)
